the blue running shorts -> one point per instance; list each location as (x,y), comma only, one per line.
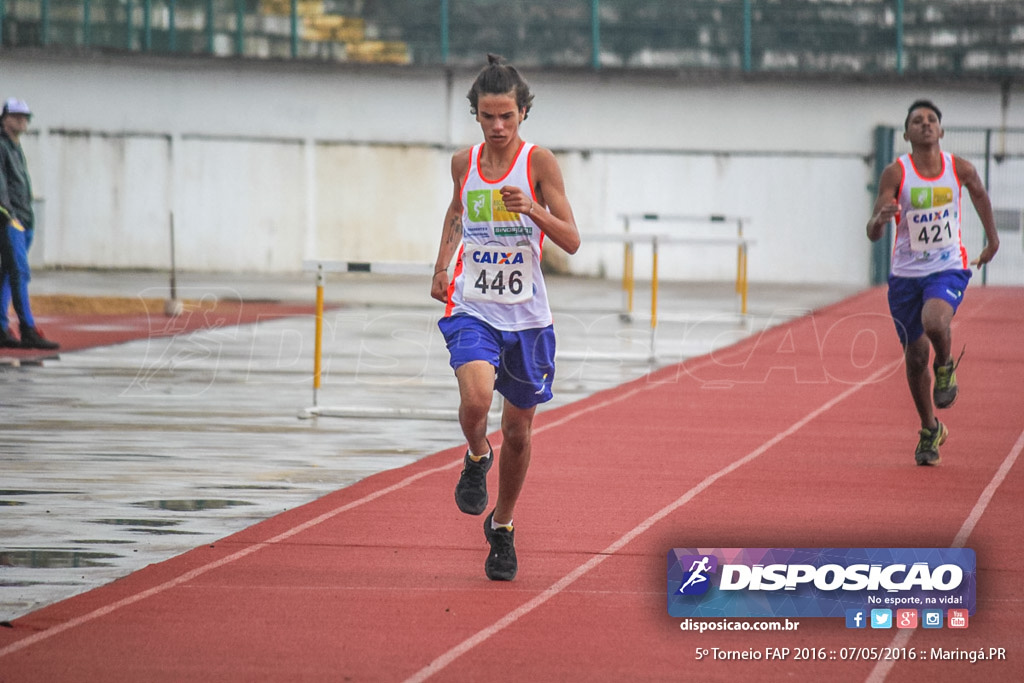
(908,294)
(524,361)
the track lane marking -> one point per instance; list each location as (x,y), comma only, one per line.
(883,667)
(440,663)
(651,383)
(308,524)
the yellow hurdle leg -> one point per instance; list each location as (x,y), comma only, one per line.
(739,269)
(654,284)
(741,258)
(743,280)
(654,293)
(628,282)
(318,341)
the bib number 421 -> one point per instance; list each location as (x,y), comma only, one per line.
(933,236)
(933,229)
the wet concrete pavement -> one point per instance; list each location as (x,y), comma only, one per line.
(117,457)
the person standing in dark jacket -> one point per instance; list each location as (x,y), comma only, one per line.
(18,228)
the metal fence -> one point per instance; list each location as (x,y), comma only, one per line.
(949,37)
(999,157)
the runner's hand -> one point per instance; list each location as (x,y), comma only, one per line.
(439,286)
(887,212)
(516,200)
(986,255)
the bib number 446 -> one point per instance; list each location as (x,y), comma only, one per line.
(496,283)
(497,274)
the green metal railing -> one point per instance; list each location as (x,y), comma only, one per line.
(951,37)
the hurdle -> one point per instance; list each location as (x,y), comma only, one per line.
(321,268)
(740,241)
(629,238)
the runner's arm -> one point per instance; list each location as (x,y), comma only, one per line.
(451,232)
(551,211)
(886,205)
(982,204)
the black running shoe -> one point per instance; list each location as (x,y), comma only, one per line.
(7,341)
(31,339)
(471,491)
(501,564)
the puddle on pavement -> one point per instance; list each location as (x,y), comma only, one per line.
(153,527)
(17,493)
(29,492)
(43,558)
(249,487)
(24,584)
(120,428)
(193,505)
(139,522)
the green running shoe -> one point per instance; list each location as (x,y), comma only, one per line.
(927,452)
(945,390)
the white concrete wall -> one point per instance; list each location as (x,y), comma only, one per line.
(266,163)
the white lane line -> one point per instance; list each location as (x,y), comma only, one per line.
(883,667)
(309,524)
(199,571)
(515,615)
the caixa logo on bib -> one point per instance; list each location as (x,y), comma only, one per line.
(497,256)
(816,582)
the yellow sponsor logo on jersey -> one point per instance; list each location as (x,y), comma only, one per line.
(928,197)
(942,195)
(498,210)
(484,206)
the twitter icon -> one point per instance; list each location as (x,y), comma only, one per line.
(881,618)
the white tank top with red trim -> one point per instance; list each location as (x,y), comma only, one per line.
(928,224)
(497,275)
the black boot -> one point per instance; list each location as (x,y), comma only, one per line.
(31,339)
(6,341)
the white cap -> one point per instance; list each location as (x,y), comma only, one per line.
(12,105)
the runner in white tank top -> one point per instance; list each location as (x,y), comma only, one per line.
(508,198)
(928,225)
(922,191)
(497,274)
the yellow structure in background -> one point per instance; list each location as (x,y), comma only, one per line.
(319,26)
(629,239)
(628,281)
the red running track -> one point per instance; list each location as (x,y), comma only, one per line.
(801,437)
(75,332)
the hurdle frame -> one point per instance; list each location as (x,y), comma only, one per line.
(629,239)
(323,266)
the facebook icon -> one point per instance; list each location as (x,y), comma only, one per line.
(856,618)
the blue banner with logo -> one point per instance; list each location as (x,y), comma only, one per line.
(818,582)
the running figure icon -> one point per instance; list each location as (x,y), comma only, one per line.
(697,573)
